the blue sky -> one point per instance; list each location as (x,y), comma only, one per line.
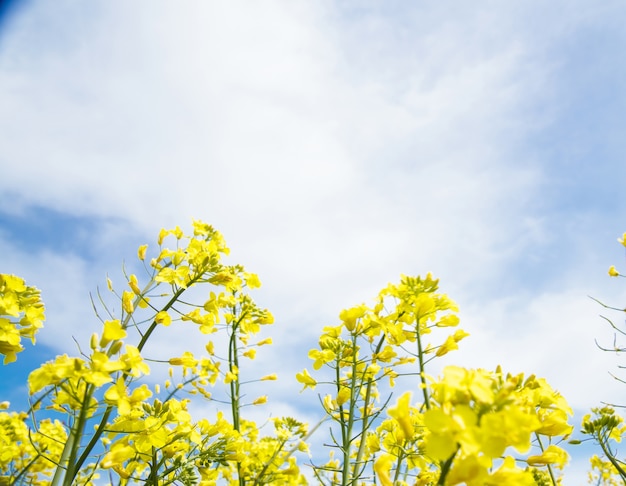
(336,145)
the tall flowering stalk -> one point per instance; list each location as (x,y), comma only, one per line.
(114,422)
(463,425)
(604,425)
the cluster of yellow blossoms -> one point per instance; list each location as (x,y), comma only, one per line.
(465,424)
(21,315)
(96,418)
(105,419)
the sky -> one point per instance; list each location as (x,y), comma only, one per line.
(336,145)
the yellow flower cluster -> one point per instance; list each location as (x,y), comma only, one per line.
(474,418)
(607,428)
(465,424)
(22,449)
(21,315)
(103,417)
(603,472)
(114,420)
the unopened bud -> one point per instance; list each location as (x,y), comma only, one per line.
(115,347)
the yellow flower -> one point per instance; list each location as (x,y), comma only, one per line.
(201,228)
(178,276)
(101,368)
(163,317)
(260,400)
(449,320)
(448,430)
(613,272)
(509,473)
(402,415)
(113,331)
(343,396)
(53,372)
(127,301)
(622,240)
(117,394)
(9,341)
(187,360)
(350,316)
(512,426)
(554,422)
(133,361)
(460,334)
(382,467)
(386,355)
(306,379)
(471,470)
(231,375)
(118,454)
(321,357)
(210,348)
(552,455)
(450,344)
(252,280)
(141,252)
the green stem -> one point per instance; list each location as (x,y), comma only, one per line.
(77,431)
(153,478)
(609,455)
(422,365)
(234,384)
(153,326)
(399,462)
(61,468)
(549,467)
(269,462)
(347,428)
(367,419)
(235,389)
(445,468)
(94,439)
(16,479)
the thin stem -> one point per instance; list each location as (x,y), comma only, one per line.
(550,472)
(610,457)
(422,364)
(77,432)
(235,390)
(399,461)
(154,324)
(269,462)
(94,439)
(367,419)
(62,468)
(347,428)
(445,468)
